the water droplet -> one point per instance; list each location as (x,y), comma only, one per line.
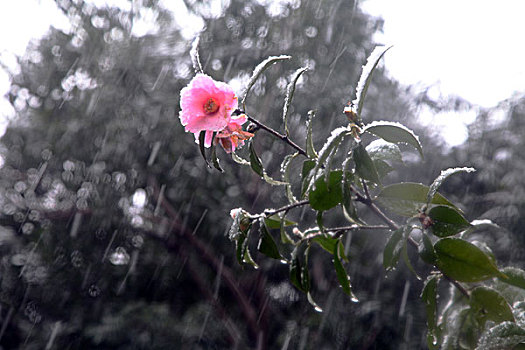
(137,241)
(28,228)
(100,233)
(354,299)
(34,215)
(76,259)
(311,32)
(18,259)
(318,309)
(119,257)
(94,291)
(20,186)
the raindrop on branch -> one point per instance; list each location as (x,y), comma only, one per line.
(119,257)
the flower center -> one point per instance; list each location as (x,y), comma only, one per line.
(211,106)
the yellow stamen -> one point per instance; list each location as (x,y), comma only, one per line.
(211,106)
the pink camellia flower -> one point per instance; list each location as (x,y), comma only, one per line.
(206,104)
(231,137)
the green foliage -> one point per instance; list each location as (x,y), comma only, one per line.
(408,198)
(327,194)
(463,261)
(447,221)
(395,133)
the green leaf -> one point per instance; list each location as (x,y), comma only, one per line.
(194,54)
(385,151)
(407,198)
(446,221)
(426,250)
(313,303)
(327,243)
(502,336)
(214,159)
(285,170)
(239,160)
(429,297)
(319,220)
(442,177)
(257,167)
(327,195)
(364,166)
(308,166)
(255,161)
(480,225)
(289,96)
(488,304)
(463,261)
(342,276)
(395,133)
(310,149)
(515,276)
(366,78)
(331,145)
(285,238)
(274,221)
(261,67)
(296,270)
(267,245)
(393,249)
(404,252)
(305,275)
(202,136)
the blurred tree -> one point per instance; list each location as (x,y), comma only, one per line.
(113,228)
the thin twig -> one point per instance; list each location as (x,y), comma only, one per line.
(284,138)
(458,286)
(286,207)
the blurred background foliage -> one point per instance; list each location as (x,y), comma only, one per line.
(92,258)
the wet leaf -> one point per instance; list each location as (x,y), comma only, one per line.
(426,250)
(274,221)
(342,276)
(257,167)
(239,160)
(366,78)
(289,95)
(214,159)
(296,270)
(488,304)
(308,166)
(285,170)
(429,297)
(393,249)
(505,335)
(515,276)
(202,148)
(407,198)
(325,195)
(255,161)
(442,177)
(364,166)
(327,243)
(331,145)
(267,245)
(384,151)
(261,67)
(395,133)
(310,149)
(463,261)
(446,221)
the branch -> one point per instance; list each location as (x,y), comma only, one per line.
(286,208)
(276,134)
